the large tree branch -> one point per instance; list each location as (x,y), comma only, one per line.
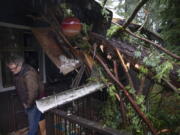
(140,4)
(135,27)
(123,111)
(155,45)
(128,51)
(118,96)
(125,68)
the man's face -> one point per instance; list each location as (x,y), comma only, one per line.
(14,68)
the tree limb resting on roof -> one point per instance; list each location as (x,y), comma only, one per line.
(155,45)
(128,51)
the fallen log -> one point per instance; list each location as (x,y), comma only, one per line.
(53,101)
(128,52)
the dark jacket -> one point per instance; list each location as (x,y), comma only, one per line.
(28,85)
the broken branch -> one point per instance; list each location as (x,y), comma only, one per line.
(135,27)
(131,100)
(122,109)
(171,86)
(155,45)
(138,7)
(115,69)
(125,68)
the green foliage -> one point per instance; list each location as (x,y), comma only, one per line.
(113,30)
(163,70)
(130,89)
(165,110)
(97,75)
(82,44)
(164,17)
(110,111)
(86,29)
(81,40)
(162,110)
(137,54)
(104,10)
(136,123)
(143,70)
(171,22)
(92,79)
(112,90)
(67,11)
(140,99)
(152,60)
(105,13)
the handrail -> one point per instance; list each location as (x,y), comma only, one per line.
(88,124)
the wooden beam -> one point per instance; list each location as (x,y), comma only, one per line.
(53,50)
(48,44)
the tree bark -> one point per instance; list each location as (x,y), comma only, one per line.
(67,96)
(128,50)
(118,96)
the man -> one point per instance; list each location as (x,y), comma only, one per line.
(29,88)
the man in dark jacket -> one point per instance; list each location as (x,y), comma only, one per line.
(29,88)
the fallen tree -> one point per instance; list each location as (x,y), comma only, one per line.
(119,49)
(128,50)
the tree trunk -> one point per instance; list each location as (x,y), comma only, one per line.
(128,51)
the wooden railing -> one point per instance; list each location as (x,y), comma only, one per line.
(62,123)
(79,118)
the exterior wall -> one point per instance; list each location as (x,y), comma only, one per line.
(12,115)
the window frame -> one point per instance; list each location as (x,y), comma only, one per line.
(2,89)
